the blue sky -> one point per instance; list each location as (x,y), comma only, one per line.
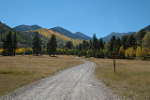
(87,16)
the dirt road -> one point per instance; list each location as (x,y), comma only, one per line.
(76,83)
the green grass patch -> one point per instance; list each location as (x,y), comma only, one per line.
(10,72)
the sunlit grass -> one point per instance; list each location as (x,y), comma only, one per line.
(19,71)
(131,79)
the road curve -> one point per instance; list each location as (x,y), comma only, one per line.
(75,83)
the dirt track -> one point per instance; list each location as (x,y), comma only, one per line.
(76,83)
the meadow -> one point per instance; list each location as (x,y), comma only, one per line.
(131,81)
(19,71)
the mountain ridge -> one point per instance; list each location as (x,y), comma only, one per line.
(77,35)
(24,27)
(147,28)
(108,37)
(83,36)
(61,30)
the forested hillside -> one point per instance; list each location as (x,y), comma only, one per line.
(129,45)
(25,37)
(77,35)
(5,29)
(45,35)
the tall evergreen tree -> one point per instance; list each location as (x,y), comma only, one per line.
(52,45)
(8,45)
(79,46)
(112,44)
(124,41)
(15,42)
(90,44)
(36,44)
(118,44)
(95,43)
(140,36)
(84,45)
(101,44)
(131,42)
(69,45)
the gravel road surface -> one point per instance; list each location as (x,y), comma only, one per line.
(76,83)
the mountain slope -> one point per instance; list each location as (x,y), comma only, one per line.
(26,27)
(4,29)
(60,37)
(147,28)
(77,35)
(64,32)
(108,37)
(82,36)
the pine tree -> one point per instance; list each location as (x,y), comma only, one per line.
(95,43)
(118,44)
(8,45)
(69,45)
(90,44)
(84,45)
(15,42)
(140,36)
(36,44)
(101,44)
(52,45)
(79,46)
(112,44)
(124,41)
(131,42)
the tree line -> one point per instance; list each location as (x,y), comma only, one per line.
(9,44)
(130,47)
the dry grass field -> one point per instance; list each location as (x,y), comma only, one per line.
(19,71)
(131,81)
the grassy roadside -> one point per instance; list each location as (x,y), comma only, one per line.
(19,71)
(130,82)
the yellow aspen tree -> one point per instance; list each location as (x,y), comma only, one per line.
(139,52)
(131,52)
(121,51)
(1,50)
(127,53)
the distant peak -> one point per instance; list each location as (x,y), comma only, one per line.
(24,27)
